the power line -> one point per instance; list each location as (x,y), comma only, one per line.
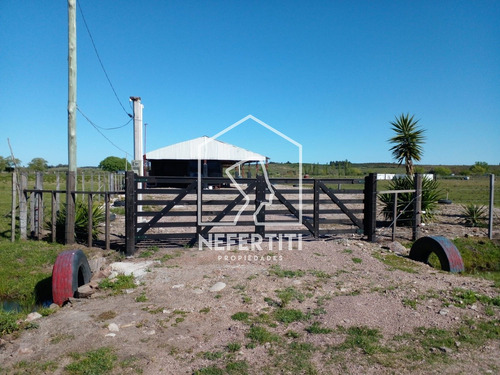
(100,61)
(101,133)
(102,127)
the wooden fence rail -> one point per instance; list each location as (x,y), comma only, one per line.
(31,209)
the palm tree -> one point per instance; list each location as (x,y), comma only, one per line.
(407,141)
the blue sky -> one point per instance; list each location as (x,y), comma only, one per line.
(329,74)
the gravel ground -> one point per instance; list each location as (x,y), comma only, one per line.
(176,322)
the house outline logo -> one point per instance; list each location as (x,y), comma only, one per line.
(266,202)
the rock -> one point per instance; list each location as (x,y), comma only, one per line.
(94,284)
(444,311)
(397,248)
(54,306)
(85,291)
(101,275)
(151,332)
(110,334)
(25,350)
(32,316)
(178,286)
(138,269)
(96,264)
(217,286)
(446,350)
(113,327)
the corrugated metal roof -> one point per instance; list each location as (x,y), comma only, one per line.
(204,148)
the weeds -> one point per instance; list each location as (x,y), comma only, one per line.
(95,362)
(261,335)
(276,270)
(118,284)
(316,328)
(289,315)
(364,338)
(395,262)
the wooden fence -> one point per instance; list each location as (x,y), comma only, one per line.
(33,220)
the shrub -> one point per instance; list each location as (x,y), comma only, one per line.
(81,221)
(474,215)
(430,195)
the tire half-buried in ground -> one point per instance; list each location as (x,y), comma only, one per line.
(71,270)
(446,251)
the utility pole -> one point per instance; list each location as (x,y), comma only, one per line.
(137,163)
(71,178)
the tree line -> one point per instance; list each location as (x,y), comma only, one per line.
(109,164)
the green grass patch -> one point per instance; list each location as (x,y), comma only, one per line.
(276,270)
(237,368)
(261,335)
(408,302)
(8,322)
(119,283)
(26,271)
(141,297)
(289,294)
(394,262)
(289,315)
(463,298)
(35,368)
(94,362)
(213,356)
(233,347)
(241,316)
(481,257)
(316,328)
(364,338)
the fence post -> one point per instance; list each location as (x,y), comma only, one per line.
(260,197)
(492,206)
(417,206)
(90,226)
(316,208)
(130,214)
(107,220)
(69,234)
(58,187)
(54,215)
(394,216)
(370,209)
(14,208)
(23,207)
(39,206)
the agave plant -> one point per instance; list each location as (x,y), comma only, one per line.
(430,195)
(474,215)
(81,221)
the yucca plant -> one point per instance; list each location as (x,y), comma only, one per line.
(430,195)
(474,215)
(81,221)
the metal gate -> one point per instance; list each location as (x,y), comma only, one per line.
(190,209)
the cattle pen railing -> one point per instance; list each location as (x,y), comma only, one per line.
(34,221)
(167,208)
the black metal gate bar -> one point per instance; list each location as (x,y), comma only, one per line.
(342,206)
(228,209)
(136,232)
(168,207)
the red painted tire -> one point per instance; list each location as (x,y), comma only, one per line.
(448,254)
(70,271)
